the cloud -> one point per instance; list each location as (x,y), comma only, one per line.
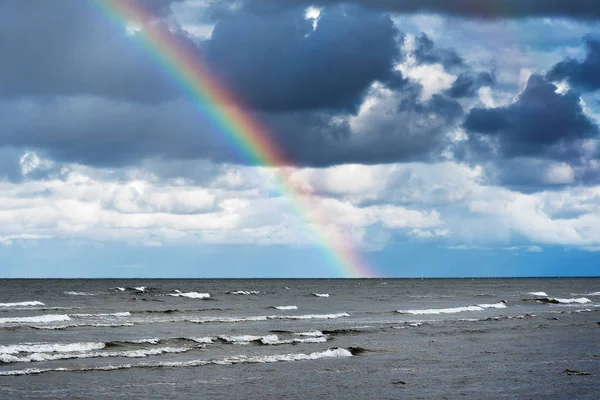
(426,52)
(92,204)
(486,9)
(584,74)
(278,62)
(467,84)
(85,54)
(541,122)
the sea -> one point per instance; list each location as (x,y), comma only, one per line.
(300,339)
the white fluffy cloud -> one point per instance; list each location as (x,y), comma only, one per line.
(449,203)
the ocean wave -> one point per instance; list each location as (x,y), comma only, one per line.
(555,300)
(36,319)
(72,293)
(241,359)
(500,304)
(579,300)
(538,294)
(244,292)
(265,318)
(51,347)
(321,294)
(101,315)
(284,308)
(247,339)
(81,325)
(133,341)
(191,295)
(39,357)
(453,310)
(22,304)
(310,333)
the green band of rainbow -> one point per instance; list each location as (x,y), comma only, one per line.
(242,130)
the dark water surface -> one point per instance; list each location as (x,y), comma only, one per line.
(262,338)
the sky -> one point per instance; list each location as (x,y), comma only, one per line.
(425,138)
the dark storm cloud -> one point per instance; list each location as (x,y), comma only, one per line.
(427,53)
(585,74)
(98,132)
(272,62)
(277,61)
(468,83)
(540,122)
(486,9)
(70,47)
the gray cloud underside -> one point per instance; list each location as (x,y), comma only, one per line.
(584,74)
(486,9)
(541,122)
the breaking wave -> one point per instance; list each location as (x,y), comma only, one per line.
(241,359)
(36,319)
(453,310)
(244,292)
(284,308)
(72,293)
(191,295)
(22,304)
(266,317)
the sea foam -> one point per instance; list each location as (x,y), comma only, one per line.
(72,293)
(266,317)
(36,319)
(539,294)
(50,347)
(244,292)
(454,310)
(283,308)
(22,304)
(191,295)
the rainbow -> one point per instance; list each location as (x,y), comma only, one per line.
(243,131)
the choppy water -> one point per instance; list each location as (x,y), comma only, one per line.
(345,339)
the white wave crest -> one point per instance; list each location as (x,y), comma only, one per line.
(191,295)
(311,316)
(286,307)
(117,314)
(593,294)
(38,357)
(246,339)
(500,304)
(71,293)
(203,340)
(36,319)
(538,294)
(51,347)
(321,294)
(267,317)
(441,310)
(330,353)
(310,333)
(22,304)
(245,292)
(226,319)
(580,300)
(93,325)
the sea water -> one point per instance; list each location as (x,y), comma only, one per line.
(300,338)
